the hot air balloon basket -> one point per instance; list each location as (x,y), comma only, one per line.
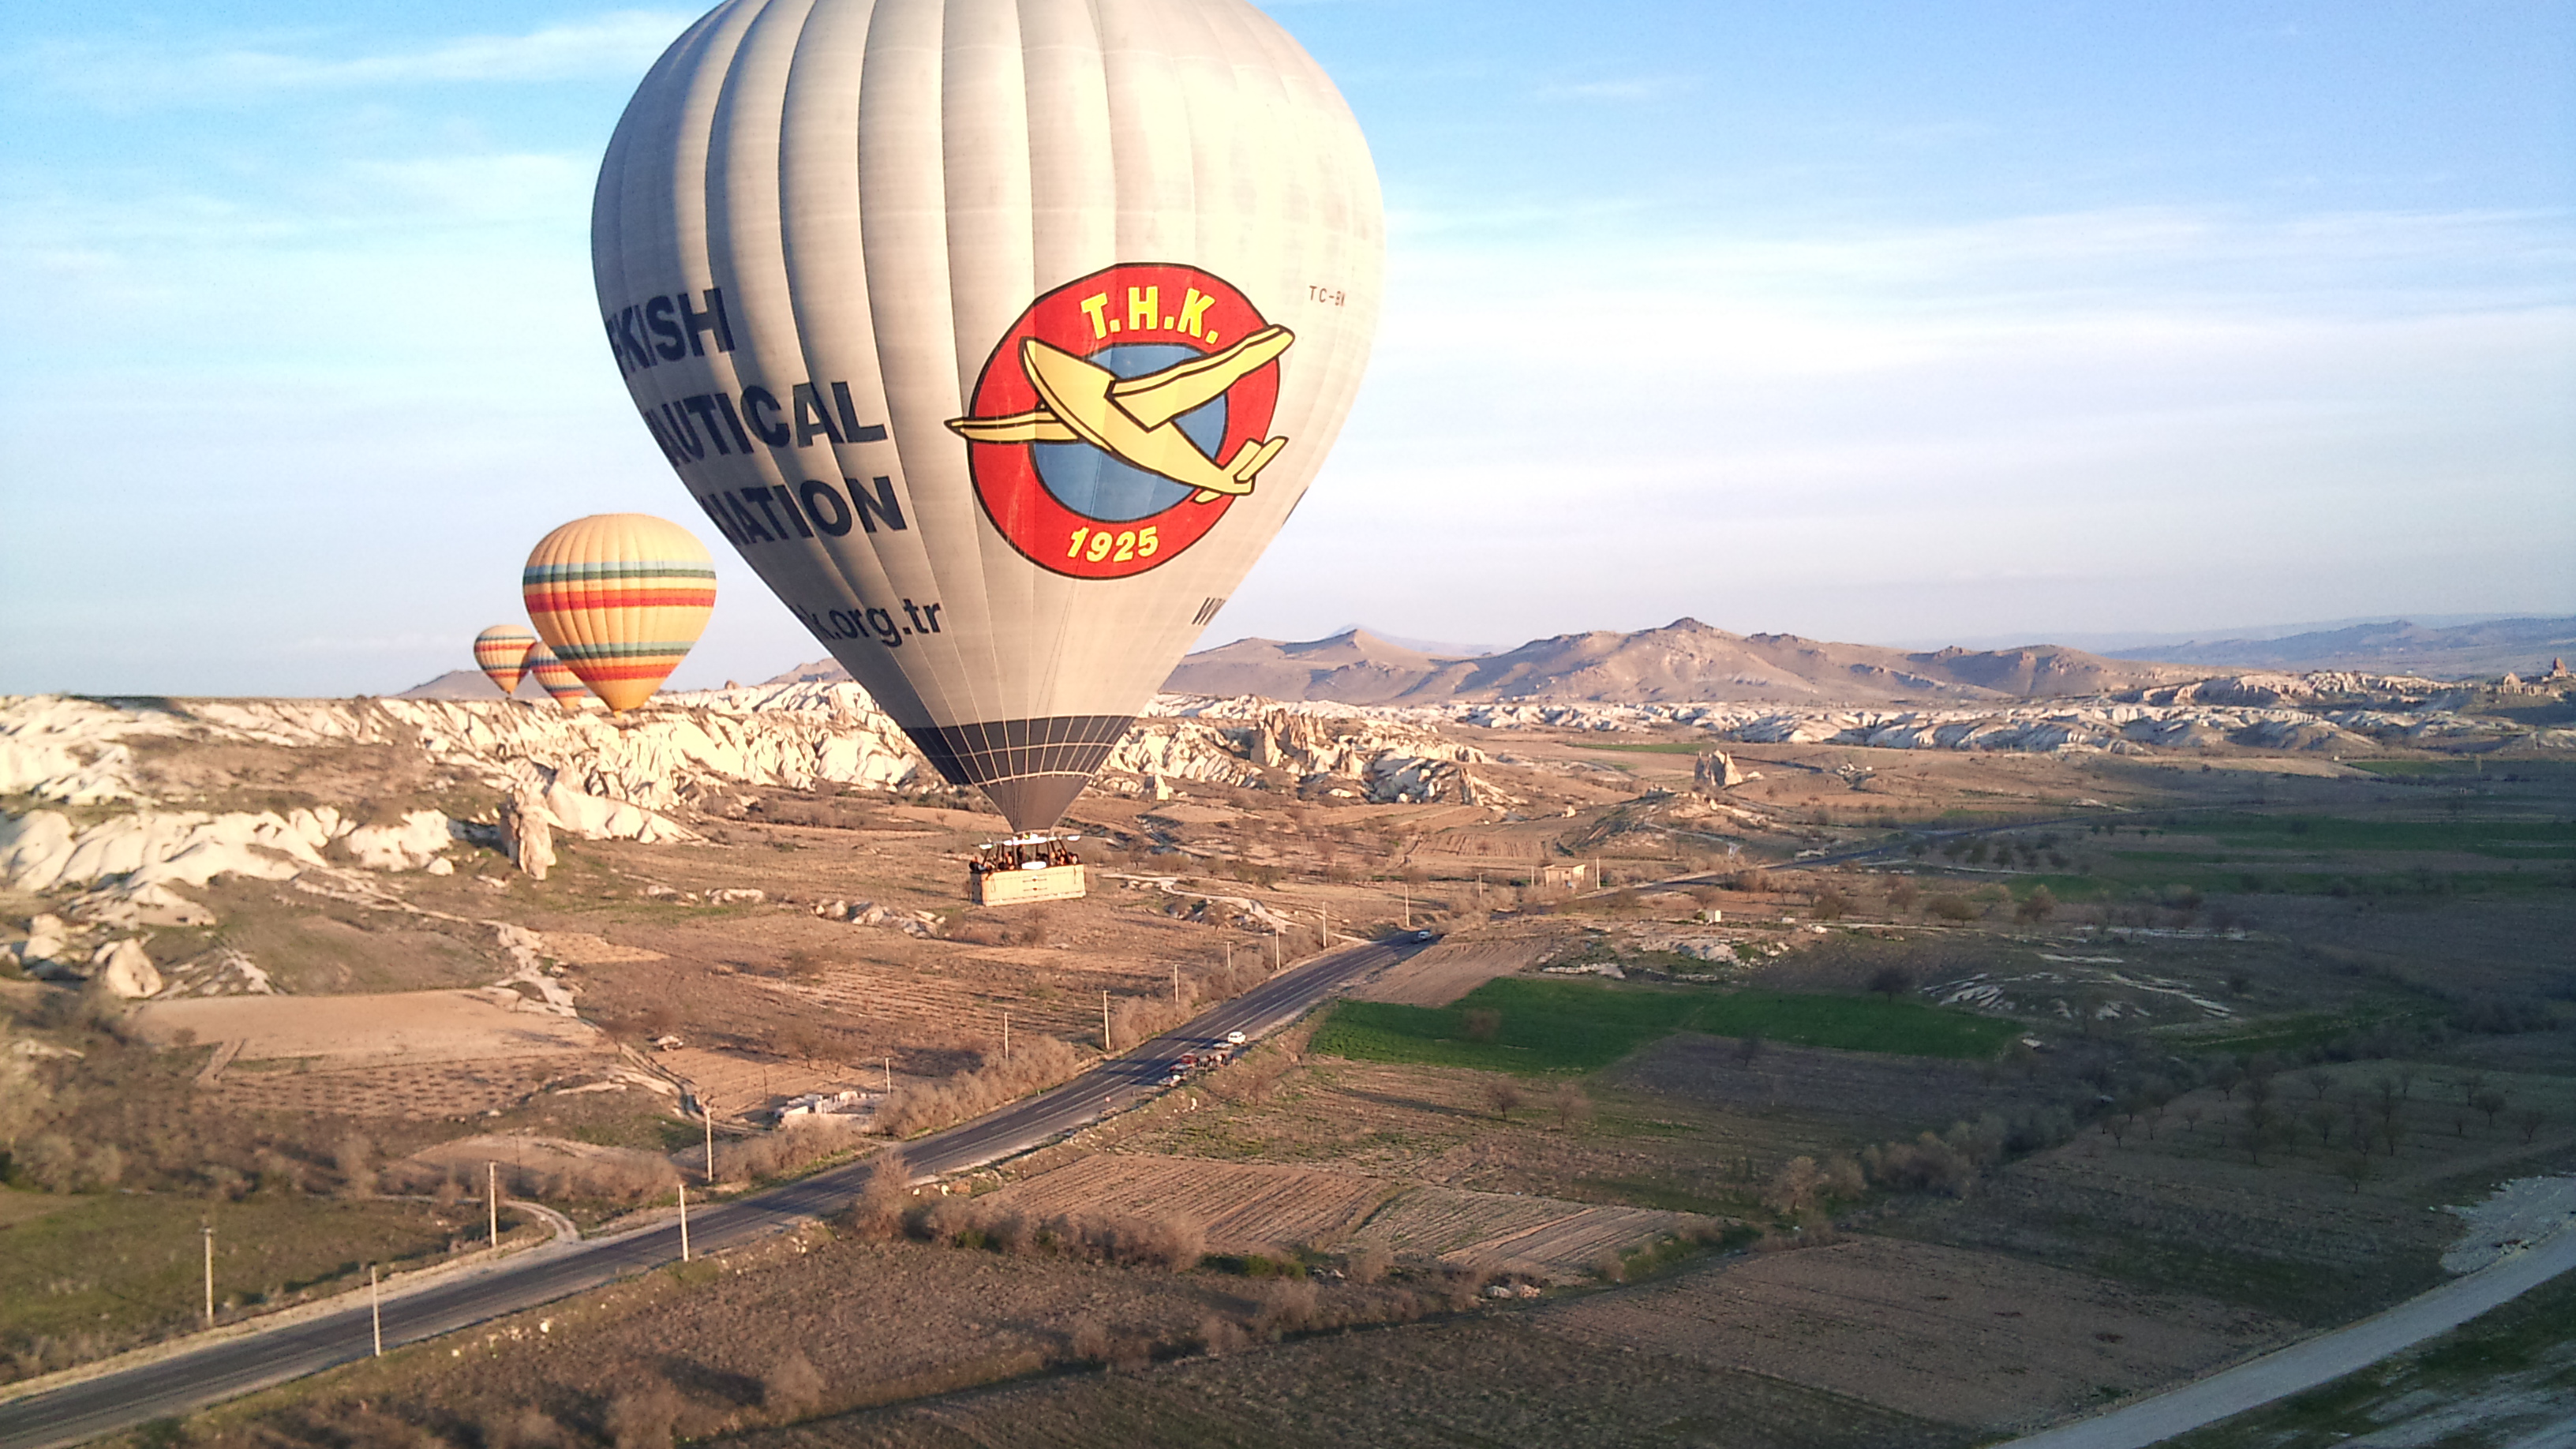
(1025,868)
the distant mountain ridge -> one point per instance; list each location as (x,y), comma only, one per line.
(2463,651)
(1685,660)
(469,684)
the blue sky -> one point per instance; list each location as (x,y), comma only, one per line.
(1872,322)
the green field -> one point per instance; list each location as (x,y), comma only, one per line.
(2505,839)
(1581,1026)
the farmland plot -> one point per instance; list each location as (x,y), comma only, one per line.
(1969,1338)
(1541,1237)
(1247,1207)
(1242,1206)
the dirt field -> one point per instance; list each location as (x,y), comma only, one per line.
(1968,1338)
(445,1026)
(1876,1091)
(1453,968)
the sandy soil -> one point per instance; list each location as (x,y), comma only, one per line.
(1452,969)
(441,1025)
(1962,1337)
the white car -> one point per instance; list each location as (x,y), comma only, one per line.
(1235,1038)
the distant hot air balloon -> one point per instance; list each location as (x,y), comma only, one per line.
(502,653)
(556,678)
(620,597)
(998,338)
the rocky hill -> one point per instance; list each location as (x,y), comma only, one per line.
(2466,651)
(1684,660)
(469,684)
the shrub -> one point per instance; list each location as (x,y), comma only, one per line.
(878,1212)
(641,1417)
(1035,1063)
(792,1385)
(1950,908)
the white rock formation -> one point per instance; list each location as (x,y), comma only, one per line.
(126,969)
(527,833)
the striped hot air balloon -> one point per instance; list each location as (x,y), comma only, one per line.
(620,597)
(502,653)
(556,678)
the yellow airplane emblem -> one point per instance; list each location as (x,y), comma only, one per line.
(1132,418)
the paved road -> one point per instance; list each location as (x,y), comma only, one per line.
(2319,1360)
(193,1379)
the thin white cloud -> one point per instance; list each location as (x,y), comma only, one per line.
(135,77)
(1625,88)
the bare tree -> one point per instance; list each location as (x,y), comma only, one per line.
(2530,1120)
(2492,1103)
(1503,1095)
(1571,1106)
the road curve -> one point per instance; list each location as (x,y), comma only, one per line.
(2319,1360)
(194,1378)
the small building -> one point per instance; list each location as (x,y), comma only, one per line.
(1565,877)
(817,1104)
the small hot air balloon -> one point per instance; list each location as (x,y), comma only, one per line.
(619,598)
(556,678)
(998,336)
(502,653)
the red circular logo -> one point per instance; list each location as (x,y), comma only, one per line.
(1121,416)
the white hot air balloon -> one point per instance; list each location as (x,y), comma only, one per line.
(999,336)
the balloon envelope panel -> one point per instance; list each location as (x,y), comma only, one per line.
(501,652)
(999,336)
(620,598)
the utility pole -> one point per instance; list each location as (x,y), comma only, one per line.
(1006,1038)
(210,1275)
(492,1197)
(1274,950)
(707,1109)
(684,1222)
(889,1069)
(1408,905)
(1105,1046)
(376,1309)
(1176,983)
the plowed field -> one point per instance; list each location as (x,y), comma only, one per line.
(1243,1207)
(1452,969)
(1246,1207)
